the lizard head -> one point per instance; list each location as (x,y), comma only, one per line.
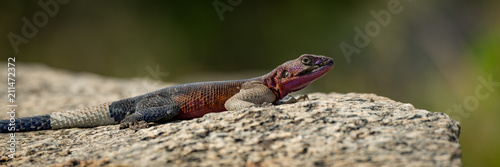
(297,74)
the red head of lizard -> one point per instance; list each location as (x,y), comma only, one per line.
(297,74)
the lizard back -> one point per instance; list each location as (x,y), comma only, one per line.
(193,99)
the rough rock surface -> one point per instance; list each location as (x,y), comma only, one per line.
(327,130)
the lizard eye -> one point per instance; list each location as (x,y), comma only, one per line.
(306,61)
(285,74)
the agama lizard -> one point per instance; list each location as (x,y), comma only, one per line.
(185,101)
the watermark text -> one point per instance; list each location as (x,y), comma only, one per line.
(49,8)
(11,90)
(363,37)
(221,7)
(470,104)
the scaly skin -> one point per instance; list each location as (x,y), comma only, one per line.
(185,101)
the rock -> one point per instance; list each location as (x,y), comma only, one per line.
(326,130)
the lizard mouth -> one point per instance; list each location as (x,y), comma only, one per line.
(317,67)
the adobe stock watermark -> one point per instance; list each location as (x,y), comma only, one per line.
(482,92)
(372,29)
(12,106)
(49,8)
(221,7)
(156,74)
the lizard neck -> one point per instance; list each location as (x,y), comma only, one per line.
(272,84)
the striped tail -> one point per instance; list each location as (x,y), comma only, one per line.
(98,115)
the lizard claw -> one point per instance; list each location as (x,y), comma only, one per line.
(302,98)
(291,99)
(133,124)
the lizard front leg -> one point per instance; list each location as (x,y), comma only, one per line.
(150,109)
(251,94)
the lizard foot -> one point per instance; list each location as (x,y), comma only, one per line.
(133,124)
(291,99)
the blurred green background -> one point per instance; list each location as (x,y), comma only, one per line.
(432,54)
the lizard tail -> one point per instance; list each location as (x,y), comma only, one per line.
(41,122)
(79,118)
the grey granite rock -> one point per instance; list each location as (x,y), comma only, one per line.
(327,130)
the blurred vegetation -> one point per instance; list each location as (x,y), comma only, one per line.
(431,54)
